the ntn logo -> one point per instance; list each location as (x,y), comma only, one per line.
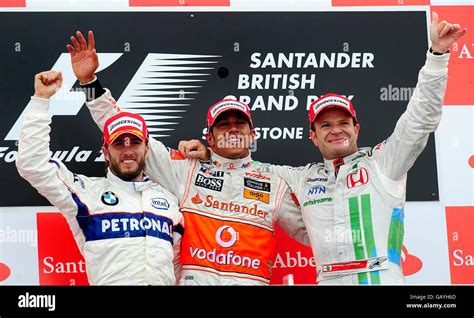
(317,190)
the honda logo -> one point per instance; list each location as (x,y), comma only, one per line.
(357,178)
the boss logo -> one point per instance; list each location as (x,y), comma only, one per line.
(209,183)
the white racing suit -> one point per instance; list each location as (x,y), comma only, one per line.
(355,218)
(230,208)
(124,230)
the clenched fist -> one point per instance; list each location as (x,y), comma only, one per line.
(47,83)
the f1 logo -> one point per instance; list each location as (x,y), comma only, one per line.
(65,102)
(357,178)
(156,71)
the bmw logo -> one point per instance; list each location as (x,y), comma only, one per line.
(109,198)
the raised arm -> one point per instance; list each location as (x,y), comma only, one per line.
(164,166)
(398,153)
(84,58)
(51,178)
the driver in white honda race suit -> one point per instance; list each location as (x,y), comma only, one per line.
(127,228)
(230,207)
(353,203)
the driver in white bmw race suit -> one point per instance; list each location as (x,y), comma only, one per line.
(127,228)
(229,205)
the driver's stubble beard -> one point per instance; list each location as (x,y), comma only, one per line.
(124,176)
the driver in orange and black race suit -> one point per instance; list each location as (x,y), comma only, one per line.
(230,206)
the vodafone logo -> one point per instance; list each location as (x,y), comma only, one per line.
(256,174)
(4,272)
(223,232)
(410,263)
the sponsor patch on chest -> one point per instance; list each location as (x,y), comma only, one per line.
(317,189)
(357,178)
(209,183)
(109,198)
(257,185)
(256,195)
(160,203)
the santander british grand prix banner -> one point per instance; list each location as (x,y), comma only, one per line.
(171,66)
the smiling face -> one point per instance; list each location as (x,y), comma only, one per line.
(230,136)
(126,157)
(335,134)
